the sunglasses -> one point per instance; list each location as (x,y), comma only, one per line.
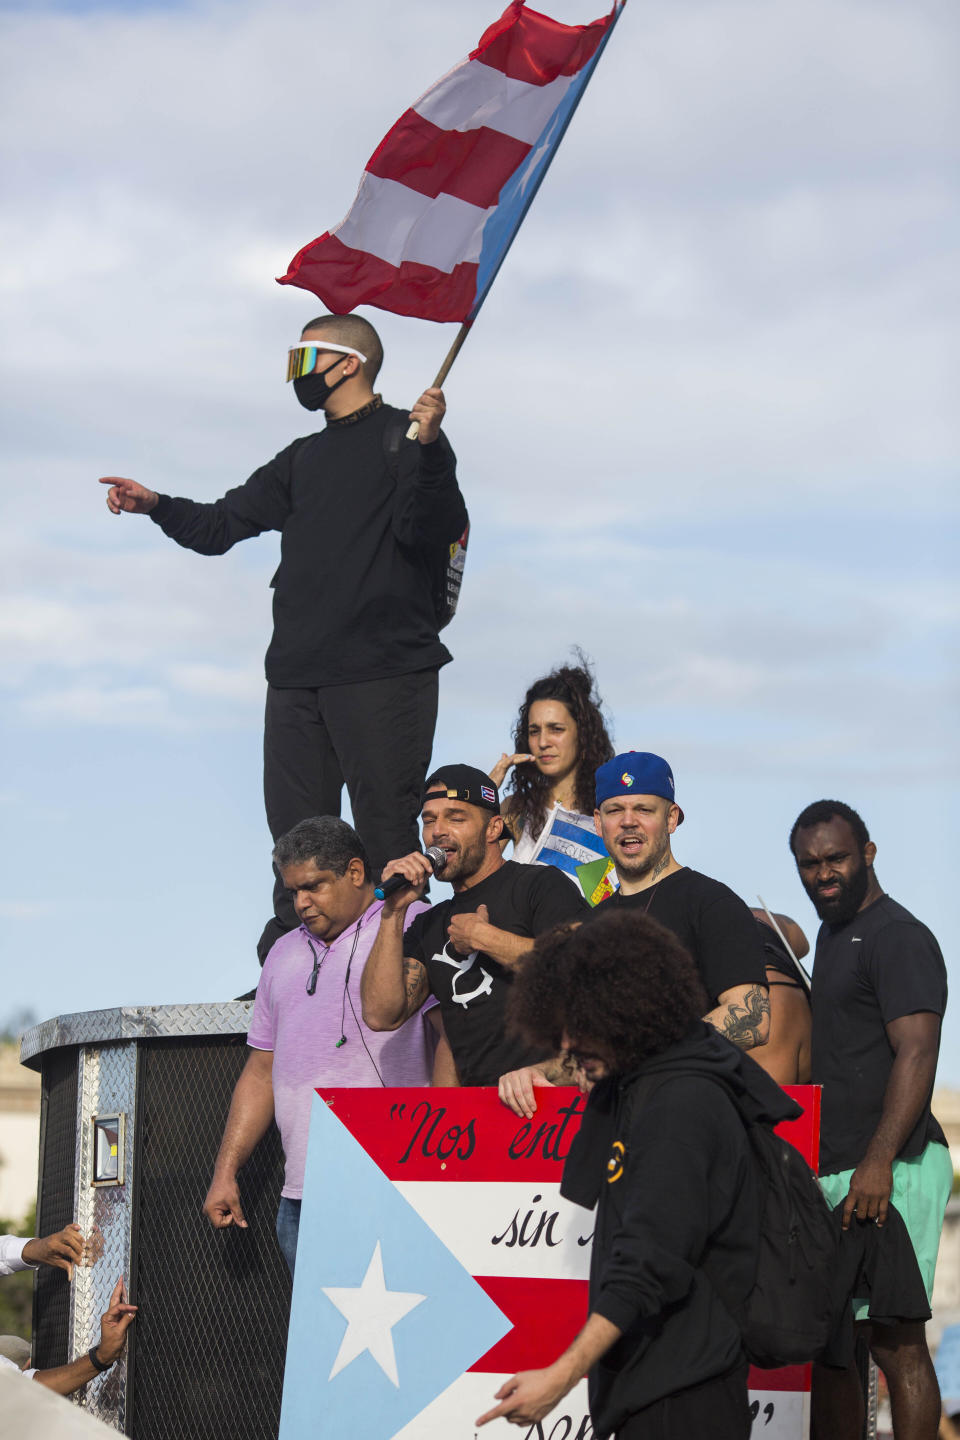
(302,359)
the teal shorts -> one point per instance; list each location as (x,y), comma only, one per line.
(921,1189)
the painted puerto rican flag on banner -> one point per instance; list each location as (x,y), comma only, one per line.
(436,1258)
(445,191)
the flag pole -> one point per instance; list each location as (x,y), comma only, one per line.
(462,333)
(444,370)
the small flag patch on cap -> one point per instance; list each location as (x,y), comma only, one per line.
(463,782)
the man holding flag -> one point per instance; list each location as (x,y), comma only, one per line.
(352,666)
(440,202)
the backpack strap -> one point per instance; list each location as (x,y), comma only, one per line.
(637,1095)
(445,562)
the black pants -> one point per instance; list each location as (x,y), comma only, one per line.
(375,736)
(716,1409)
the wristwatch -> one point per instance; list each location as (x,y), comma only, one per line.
(96,1362)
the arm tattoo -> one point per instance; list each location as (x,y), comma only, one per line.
(415,984)
(747,1025)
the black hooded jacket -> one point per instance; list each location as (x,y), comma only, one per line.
(678,1217)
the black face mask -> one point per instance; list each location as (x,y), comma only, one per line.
(313,392)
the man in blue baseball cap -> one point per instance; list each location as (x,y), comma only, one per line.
(636,814)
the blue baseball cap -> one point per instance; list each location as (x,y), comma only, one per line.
(636,773)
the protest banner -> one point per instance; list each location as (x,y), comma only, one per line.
(437,1258)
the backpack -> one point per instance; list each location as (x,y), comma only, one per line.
(790,1314)
(445,562)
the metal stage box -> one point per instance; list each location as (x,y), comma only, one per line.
(134,1103)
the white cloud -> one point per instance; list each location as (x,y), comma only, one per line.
(92,704)
(25,909)
(218,683)
(706,421)
(749,225)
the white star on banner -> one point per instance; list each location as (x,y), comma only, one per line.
(371,1311)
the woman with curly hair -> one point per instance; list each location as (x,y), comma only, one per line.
(663,1155)
(560,739)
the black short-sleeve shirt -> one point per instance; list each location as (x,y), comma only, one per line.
(881,965)
(778,958)
(709,920)
(472,990)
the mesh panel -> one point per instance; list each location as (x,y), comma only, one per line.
(58,1139)
(58,1156)
(209,1340)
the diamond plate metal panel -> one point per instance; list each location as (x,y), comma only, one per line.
(107,1084)
(135,1022)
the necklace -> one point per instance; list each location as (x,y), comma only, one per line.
(317,967)
(318,960)
(653,891)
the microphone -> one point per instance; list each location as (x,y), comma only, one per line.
(437,858)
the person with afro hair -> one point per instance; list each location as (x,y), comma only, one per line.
(663,1153)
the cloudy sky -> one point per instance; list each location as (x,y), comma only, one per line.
(706,425)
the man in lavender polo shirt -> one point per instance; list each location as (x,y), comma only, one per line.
(306,1029)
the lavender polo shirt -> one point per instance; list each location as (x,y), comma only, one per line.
(302,1030)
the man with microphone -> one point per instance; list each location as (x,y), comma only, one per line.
(463,951)
(364,516)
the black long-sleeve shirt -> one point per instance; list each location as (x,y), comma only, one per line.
(353,597)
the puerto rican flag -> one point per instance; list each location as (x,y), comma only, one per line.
(437,1258)
(445,191)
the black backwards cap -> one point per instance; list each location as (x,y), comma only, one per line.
(462,782)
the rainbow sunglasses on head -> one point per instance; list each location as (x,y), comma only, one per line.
(302,358)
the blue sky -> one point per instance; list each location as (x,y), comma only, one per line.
(706,427)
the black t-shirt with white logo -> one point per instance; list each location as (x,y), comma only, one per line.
(709,920)
(472,989)
(883,964)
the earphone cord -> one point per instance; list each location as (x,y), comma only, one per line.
(343,1009)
